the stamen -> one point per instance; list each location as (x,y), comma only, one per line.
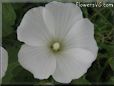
(56,46)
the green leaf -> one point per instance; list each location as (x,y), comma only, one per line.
(111,81)
(95,70)
(12,46)
(81,81)
(18,6)
(15,73)
(8,14)
(8,18)
(7,30)
(111,62)
(9,75)
(44,82)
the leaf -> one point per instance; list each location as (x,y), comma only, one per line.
(15,73)
(111,81)
(9,75)
(18,6)
(7,30)
(20,75)
(95,70)
(8,14)
(111,62)
(81,81)
(12,46)
(8,18)
(48,81)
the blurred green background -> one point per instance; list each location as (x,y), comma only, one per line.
(102,69)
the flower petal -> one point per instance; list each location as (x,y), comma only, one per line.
(3,61)
(63,16)
(37,60)
(82,36)
(33,30)
(72,64)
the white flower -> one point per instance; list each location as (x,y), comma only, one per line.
(58,42)
(3,62)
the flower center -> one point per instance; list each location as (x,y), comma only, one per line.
(56,46)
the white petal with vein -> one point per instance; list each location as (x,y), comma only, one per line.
(37,60)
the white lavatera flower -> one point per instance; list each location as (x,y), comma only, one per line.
(3,62)
(58,42)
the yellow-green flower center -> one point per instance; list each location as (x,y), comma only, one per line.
(56,46)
